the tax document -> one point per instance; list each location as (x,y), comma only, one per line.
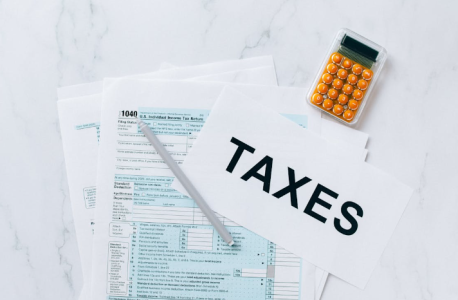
(294,188)
(80,130)
(153,242)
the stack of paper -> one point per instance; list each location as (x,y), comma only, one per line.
(140,238)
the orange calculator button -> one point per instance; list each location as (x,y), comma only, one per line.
(347,64)
(342,73)
(317,98)
(327,78)
(337,83)
(353,104)
(347,89)
(357,94)
(328,104)
(337,109)
(362,84)
(332,94)
(367,74)
(332,68)
(348,115)
(322,88)
(343,99)
(336,58)
(352,79)
(357,69)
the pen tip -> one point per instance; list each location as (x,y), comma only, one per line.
(231,243)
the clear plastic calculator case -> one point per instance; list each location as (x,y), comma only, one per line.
(347,76)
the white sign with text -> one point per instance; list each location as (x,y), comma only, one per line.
(294,188)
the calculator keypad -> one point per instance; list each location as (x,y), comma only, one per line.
(342,87)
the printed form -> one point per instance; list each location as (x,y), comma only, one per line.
(178,243)
(153,242)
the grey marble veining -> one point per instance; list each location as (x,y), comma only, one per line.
(412,119)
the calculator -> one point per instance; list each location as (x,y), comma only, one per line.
(347,76)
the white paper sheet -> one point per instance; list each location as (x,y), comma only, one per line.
(125,154)
(80,127)
(342,135)
(176,73)
(321,277)
(250,76)
(166,65)
(344,235)
(333,131)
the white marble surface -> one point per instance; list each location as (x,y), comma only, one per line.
(412,121)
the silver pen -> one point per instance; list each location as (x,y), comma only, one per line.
(208,212)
